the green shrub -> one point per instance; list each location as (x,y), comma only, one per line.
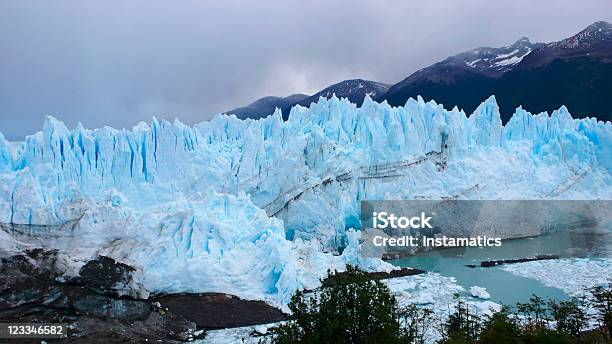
(462,326)
(601,301)
(500,328)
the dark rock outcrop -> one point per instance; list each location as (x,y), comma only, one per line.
(217,310)
(378,275)
(97,309)
(33,290)
(491,263)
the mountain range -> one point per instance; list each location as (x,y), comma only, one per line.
(355,90)
(576,72)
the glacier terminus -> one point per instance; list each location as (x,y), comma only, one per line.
(261,208)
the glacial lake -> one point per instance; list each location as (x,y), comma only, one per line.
(504,287)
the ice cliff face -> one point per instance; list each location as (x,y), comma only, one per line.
(251,207)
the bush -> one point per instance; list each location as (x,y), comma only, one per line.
(462,326)
(534,322)
(601,300)
(500,328)
(416,321)
(569,317)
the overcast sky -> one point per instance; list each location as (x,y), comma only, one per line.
(120,62)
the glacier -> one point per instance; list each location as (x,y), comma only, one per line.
(260,208)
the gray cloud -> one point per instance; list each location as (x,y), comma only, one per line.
(120,62)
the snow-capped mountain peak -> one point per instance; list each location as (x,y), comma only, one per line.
(523,41)
(496,61)
(487,61)
(594,42)
(595,33)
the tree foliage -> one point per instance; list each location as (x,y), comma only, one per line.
(352,307)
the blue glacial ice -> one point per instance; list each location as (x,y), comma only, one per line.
(259,208)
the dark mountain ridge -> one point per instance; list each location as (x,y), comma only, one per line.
(575,72)
(265,106)
(354,89)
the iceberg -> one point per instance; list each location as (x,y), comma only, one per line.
(479,292)
(260,208)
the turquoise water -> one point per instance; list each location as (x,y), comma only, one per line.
(503,286)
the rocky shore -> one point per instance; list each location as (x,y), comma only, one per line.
(378,275)
(491,263)
(33,290)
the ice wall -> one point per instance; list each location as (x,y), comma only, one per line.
(197,201)
(151,163)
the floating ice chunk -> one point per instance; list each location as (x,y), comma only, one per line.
(487,307)
(425,298)
(480,292)
(261,329)
(572,276)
